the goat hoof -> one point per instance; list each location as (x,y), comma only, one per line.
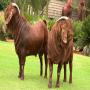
(49,85)
(57,85)
(64,80)
(41,73)
(70,81)
(19,76)
(45,76)
(22,78)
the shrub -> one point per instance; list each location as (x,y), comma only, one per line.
(86,50)
(32,19)
(82,35)
(2,27)
(50,23)
(85,39)
(1,20)
(77,26)
(3,33)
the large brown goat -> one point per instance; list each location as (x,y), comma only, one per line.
(28,39)
(60,48)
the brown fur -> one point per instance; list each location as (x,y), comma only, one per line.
(58,52)
(28,39)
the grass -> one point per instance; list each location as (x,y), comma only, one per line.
(9,72)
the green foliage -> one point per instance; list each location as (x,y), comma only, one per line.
(38,5)
(82,35)
(1,19)
(33,19)
(1,7)
(85,39)
(77,26)
(86,50)
(23,4)
(4,3)
(3,33)
(2,27)
(51,22)
(88,4)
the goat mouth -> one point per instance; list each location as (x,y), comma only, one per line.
(64,41)
(6,22)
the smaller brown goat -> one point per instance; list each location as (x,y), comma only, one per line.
(60,48)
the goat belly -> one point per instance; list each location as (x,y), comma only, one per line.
(55,54)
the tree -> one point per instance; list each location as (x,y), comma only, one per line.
(38,5)
(88,4)
(4,3)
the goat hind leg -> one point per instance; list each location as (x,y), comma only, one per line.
(21,63)
(46,65)
(41,65)
(70,67)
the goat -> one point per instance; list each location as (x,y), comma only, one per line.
(60,48)
(28,39)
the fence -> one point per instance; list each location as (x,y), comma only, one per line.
(55,8)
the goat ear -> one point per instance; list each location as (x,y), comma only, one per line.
(9,17)
(64,36)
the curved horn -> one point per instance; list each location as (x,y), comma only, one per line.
(15,5)
(62,17)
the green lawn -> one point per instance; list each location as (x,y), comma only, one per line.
(33,81)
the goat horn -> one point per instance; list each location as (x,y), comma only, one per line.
(15,5)
(63,17)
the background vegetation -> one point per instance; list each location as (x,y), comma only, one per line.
(81,29)
(82,35)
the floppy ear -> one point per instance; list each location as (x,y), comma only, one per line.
(64,36)
(11,12)
(9,17)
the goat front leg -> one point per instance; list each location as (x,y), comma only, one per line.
(50,74)
(65,78)
(21,66)
(58,75)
